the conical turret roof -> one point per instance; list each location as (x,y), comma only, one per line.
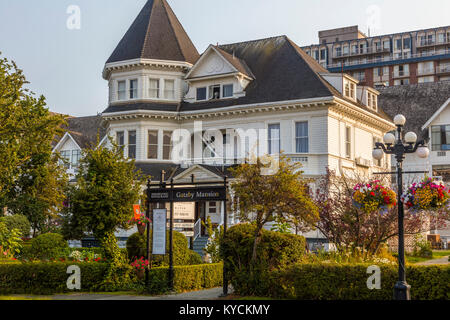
(156,34)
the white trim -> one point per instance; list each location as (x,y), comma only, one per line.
(64,139)
(436,114)
(194,167)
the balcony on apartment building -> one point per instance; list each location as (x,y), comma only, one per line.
(389,58)
(360,51)
(443,69)
(401,74)
(432,42)
(426,71)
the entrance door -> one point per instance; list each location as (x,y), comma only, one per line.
(202,216)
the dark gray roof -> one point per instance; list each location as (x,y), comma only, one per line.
(86,130)
(417,102)
(153,106)
(156,34)
(281,72)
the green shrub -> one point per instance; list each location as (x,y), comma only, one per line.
(275,250)
(10,242)
(347,282)
(49,246)
(47,278)
(423,249)
(186,278)
(195,258)
(17,221)
(182,255)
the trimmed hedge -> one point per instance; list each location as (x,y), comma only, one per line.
(346,282)
(51,278)
(187,278)
(48,246)
(47,278)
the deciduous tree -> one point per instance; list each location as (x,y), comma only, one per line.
(282,196)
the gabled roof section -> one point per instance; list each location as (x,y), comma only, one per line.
(235,64)
(85,130)
(156,34)
(417,102)
(436,114)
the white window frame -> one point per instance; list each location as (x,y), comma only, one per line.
(152,90)
(133,91)
(124,91)
(168,92)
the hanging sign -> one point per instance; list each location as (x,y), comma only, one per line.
(159,231)
(184,211)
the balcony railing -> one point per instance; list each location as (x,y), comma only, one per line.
(432,42)
(388,59)
(401,74)
(360,51)
(443,69)
(428,71)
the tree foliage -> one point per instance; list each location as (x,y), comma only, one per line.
(348,227)
(31,179)
(101,201)
(282,196)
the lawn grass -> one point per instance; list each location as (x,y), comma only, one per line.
(440,253)
(436,255)
(11,298)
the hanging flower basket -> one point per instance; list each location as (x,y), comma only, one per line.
(373,197)
(141,222)
(427,195)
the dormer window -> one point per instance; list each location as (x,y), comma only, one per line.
(201,94)
(133,88)
(121,90)
(214,92)
(372,101)
(153,90)
(349,89)
(228,91)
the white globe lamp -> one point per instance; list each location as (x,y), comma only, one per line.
(377,154)
(411,138)
(423,152)
(389,138)
(399,120)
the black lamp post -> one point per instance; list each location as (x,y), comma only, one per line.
(395,146)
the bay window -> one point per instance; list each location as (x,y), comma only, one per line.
(152,144)
(274,138)
(301,137)
(169,89)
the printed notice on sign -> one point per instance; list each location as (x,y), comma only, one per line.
(159,231)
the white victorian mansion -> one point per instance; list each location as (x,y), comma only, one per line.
(234,100)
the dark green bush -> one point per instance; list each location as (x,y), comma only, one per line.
(195,258)
(187,278)
(17,221)
(49,246)
(347,282)
(47,278)
(182,255)
(275,250)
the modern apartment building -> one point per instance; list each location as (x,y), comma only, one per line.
(387,60)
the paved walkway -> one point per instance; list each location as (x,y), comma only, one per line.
(210,294)
(443,260)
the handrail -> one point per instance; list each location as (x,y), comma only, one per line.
(197,229)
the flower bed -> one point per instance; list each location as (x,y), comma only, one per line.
(426,195)
(373,196)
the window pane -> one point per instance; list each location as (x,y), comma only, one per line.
(228,90)
(132,137)
(214,92)
(132,144)
(167,145)
(154,88)
(133,89)
(301,135)
(121,90)
(274,138)
(169,89)
(152,144)
(201,93)
(120,138)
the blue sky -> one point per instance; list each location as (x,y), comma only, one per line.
(65,65)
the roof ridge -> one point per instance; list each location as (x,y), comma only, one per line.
(256,40)
(146,37)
